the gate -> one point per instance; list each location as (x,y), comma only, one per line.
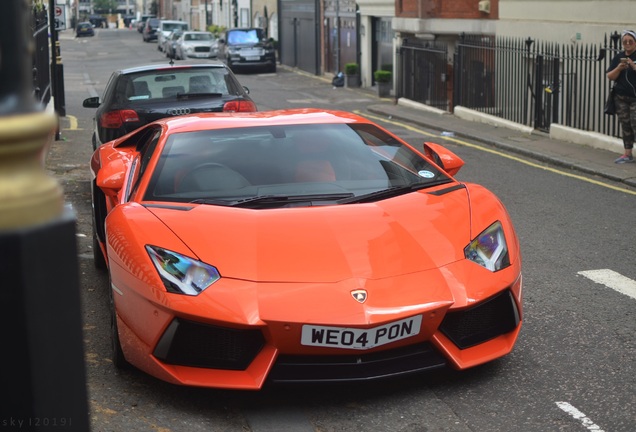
(299,35)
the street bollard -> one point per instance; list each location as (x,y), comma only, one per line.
(42,371)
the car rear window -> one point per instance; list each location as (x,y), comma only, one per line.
(141,87)
(168,27)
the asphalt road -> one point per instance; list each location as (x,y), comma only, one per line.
(573,368)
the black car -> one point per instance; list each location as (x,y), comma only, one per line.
(247,48)
(149,32)
(84,29)
(136,96)
(142,22)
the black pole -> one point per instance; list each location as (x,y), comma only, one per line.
(207,21)
(42,367)
(16,75)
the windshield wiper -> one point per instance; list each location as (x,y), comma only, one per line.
(392,192)
(274,199)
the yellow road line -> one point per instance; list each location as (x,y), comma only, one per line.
(499,153)
(72,123)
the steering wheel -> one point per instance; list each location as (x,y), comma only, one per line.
(211,176)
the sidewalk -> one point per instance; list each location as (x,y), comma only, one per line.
(522,140)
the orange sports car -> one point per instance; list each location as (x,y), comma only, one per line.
(298,246)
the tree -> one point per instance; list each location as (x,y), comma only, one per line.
(105,6)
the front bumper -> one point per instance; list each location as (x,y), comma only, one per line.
(244,352)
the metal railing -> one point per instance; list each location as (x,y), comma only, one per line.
(41,63)
(530,82)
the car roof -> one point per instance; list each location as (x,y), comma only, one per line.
(245,28)
(205,121)
(167,66)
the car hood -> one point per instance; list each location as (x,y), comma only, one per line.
(397,236)
(248,45)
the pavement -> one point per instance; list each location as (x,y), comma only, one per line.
(586,152)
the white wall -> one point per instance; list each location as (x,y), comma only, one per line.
(584,21)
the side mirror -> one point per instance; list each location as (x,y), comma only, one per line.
(446,159)
(246,90)
(91,102)
(110,177)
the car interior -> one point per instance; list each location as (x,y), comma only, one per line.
(165,86)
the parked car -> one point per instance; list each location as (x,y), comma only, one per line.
(196,44)
(98,21)
(299,246)
(142,22)
(150,29)
(170,43)
(247,48)
(136,96)
(166,27)
(84,29)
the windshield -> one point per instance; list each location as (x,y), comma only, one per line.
(285,163)
(198,37)
(251,36)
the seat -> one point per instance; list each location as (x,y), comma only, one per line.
(172,91)
(314,170)
(200,84)
(211,177)
(141,88)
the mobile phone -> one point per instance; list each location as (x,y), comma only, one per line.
(624,60)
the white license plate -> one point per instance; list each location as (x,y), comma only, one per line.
(360,339)
(252,58)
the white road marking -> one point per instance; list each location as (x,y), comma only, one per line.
(613,280)
(578,415)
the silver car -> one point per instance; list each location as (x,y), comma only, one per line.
(196,44)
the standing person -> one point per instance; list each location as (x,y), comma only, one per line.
(622,70)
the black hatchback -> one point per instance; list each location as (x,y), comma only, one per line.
(137,96)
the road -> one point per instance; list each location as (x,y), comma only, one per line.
(573,368)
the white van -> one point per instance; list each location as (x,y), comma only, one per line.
(166,27)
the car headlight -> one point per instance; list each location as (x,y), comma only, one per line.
(489,249)
(180,274)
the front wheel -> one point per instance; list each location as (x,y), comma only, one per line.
(98,256)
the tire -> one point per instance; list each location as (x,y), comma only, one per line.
(98,256)
(99,214)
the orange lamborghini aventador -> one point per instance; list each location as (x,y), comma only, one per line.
(298,246)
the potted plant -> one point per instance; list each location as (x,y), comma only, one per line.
(384,80)
(352,74)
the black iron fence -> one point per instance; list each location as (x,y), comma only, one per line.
(529,82)
(41,63)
